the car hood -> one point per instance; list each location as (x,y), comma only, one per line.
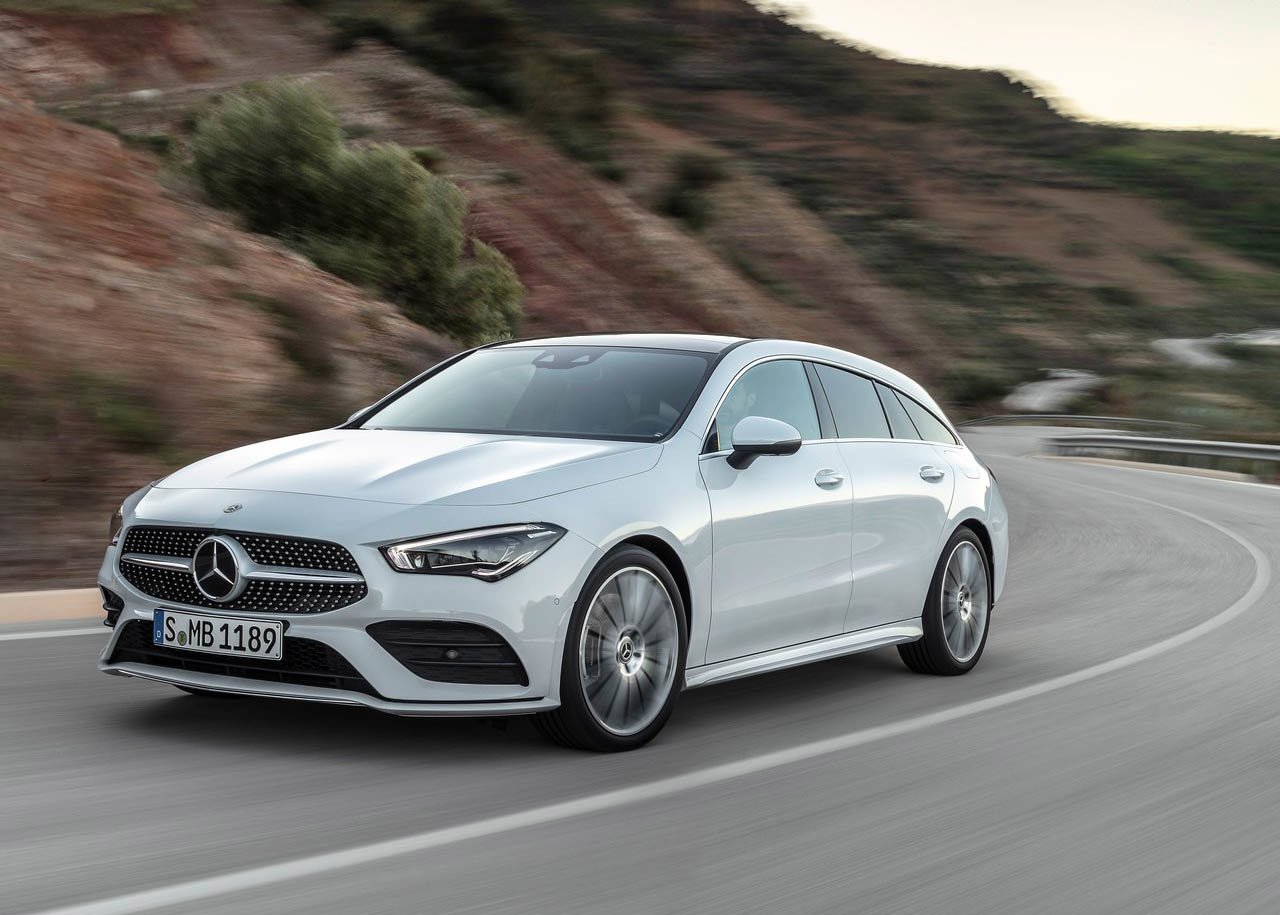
(416,468)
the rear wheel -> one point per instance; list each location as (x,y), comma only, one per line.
(956,612)
(624,654)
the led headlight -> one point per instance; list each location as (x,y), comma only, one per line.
(489,553)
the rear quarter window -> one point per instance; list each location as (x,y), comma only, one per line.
(931,428)
(899,421)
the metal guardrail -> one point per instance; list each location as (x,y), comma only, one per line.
(1059,419)
(1261,461)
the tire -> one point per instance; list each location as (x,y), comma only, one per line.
(624,654)
(957,612)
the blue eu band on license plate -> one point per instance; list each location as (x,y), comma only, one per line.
(218,634)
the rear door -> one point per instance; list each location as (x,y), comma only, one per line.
(782,528)
(902,490)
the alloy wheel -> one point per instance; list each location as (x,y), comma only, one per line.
(965,603)
(627,651)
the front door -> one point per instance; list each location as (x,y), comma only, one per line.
(782,528)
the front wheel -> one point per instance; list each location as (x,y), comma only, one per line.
(624,654)
(956,612)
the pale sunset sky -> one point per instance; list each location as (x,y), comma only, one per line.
(1165,63)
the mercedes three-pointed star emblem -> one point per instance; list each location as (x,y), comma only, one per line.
(216,570)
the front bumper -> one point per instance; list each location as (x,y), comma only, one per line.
(530,610)
(238,686)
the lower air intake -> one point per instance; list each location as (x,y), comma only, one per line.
(450,652)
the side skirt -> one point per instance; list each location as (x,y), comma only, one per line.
(804,653)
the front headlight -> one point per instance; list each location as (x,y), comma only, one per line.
(489,553)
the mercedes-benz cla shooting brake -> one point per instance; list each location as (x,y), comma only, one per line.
(575,528)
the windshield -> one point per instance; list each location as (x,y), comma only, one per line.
(573,391)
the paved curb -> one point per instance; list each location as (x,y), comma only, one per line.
(45,606)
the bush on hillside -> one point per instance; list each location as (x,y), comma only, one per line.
(349,28)
(486,46)
(381,198)
(262,152)
(485,299)
(568,96)
(970,383)
(478,43)
(371,214)
(686,199)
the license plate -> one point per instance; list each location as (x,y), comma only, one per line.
(218,634)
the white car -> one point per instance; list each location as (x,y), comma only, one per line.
(576,528)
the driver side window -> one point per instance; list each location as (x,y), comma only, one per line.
(777,390)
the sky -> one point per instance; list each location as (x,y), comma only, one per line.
(1165,63)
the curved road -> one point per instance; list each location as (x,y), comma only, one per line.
(1117,749)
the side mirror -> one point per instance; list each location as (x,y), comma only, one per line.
(757,435)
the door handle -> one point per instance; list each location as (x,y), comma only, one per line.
(828,479)
(931,474)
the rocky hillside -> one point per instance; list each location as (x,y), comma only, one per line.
(142,330)
(735,174)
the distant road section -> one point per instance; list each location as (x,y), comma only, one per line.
(1202,352)
(1194,352)
(1053,394)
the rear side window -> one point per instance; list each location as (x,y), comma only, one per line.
(899,421)
(854,404)
(931,428)
(777,390)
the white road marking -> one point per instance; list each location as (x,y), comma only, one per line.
(52,634)
(323,864)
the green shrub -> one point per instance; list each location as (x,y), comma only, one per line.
(484,301)
(969,383)
(380,197)
(686,199)
(348,28)
(124,413)
(370,214)
(355,260)
(160,144)
(486,46)
(261,152)
(479,43)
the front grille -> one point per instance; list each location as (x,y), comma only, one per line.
(164,541)
(304,662)
(297,554)
(450,652)
(259,596)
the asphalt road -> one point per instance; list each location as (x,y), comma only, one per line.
(1116,750)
